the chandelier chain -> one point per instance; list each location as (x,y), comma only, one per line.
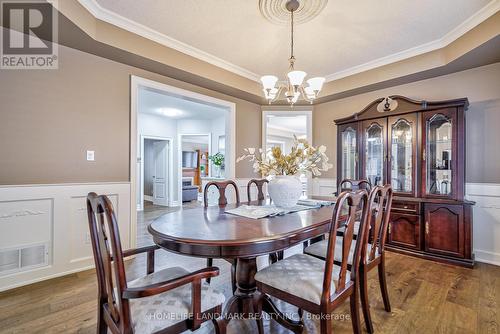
(292,58)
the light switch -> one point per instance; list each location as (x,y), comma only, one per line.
(90,156)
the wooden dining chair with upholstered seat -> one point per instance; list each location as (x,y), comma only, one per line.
(374,254)
(171,300)
(352,185)
(260,189)
(318,286)
(221,186)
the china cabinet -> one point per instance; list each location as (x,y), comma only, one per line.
(419,148)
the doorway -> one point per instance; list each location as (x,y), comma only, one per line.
(194,152)
(156,171)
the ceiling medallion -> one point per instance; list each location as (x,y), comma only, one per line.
(293,87)
(275,11)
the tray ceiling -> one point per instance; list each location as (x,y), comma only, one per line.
(347,37)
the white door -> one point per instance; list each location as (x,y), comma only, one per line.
(160,177)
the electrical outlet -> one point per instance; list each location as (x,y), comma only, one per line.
(87,238)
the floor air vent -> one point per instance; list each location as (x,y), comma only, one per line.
(24,258)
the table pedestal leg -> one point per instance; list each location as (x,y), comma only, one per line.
(245,301)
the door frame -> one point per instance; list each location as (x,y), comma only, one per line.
(179,158)
(170,168)
(135,83)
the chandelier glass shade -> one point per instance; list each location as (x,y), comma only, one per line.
(293,87)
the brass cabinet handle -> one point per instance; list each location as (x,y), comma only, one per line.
(426,227)
(423,154)
(390,227)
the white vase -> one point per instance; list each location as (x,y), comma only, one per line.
(285,190)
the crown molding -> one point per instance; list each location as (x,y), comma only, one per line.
(484,13)
(108,16)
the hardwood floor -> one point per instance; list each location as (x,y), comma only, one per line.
(426,297)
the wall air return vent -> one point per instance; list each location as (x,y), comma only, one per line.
(23,258)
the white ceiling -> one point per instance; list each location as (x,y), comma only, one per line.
(158,103)
(346,38)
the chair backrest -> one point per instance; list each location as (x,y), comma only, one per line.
(353,185)
(260,188)
(346,211)
(221,186)
(108,257)
(380,203)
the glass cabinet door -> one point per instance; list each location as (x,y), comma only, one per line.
(349,158)
(374,152)
(402,152)
(439,153)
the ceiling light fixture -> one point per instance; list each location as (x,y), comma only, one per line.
(170,112)
(293,87)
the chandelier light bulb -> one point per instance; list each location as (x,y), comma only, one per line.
(316,83)
(296,77)
(269,81)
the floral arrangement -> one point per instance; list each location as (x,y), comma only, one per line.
(217,159)
(302,158)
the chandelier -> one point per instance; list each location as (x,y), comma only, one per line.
(293,87)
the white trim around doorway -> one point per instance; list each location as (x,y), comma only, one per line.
(137,82)
(170,141)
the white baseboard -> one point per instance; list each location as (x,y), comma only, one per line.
(487,257)
(148,198)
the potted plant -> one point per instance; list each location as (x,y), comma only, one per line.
(285,187)
(218,160)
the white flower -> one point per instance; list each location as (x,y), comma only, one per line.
(251,150)
(322,149)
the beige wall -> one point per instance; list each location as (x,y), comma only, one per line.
(481,85)
(49,118)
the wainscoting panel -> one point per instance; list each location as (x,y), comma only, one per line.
(486,221)
(46,227)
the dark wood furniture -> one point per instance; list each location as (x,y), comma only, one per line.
(354,185)
(221,186)
(373,255)
(212,233)
(419,148)
(329,284)
(117,297)
(260,188)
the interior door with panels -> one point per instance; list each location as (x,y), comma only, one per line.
(374,157)
(444,229)
(402,152)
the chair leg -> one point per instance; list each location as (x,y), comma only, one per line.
(233,276)
(383,284)
(365,304)
(102,327)
(210,263)
(325,325)
(220,326)
(355,309)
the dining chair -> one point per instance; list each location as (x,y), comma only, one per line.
(273,257)
(355,185)
(260,188)
(171,300)
(318,286)
(221,186)
(374,255)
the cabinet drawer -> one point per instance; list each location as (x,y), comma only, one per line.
(406,207)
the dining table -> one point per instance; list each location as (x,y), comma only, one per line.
(211,232)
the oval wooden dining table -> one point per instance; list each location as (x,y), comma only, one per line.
(213,233)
